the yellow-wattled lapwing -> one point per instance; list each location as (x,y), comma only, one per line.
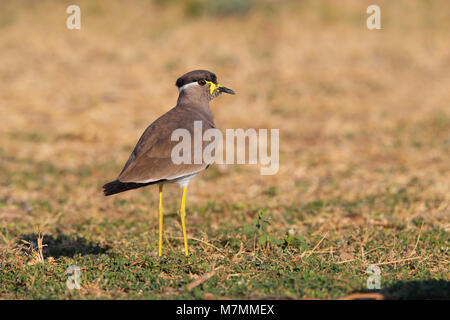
(151,162)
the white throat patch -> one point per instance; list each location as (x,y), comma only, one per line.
(188,85)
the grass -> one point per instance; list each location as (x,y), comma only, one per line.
(249,254)
(364,148)
(242,268)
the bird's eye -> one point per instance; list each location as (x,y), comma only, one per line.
(202,82)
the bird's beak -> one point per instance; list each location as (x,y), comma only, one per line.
(220,88)
(224,89)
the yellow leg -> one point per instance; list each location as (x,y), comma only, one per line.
(183,215)
(160,208)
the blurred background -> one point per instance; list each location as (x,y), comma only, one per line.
(364,115)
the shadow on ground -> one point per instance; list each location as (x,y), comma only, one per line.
(61,245)
(418,289)
(407,290)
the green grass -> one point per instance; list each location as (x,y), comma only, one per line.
(250,259)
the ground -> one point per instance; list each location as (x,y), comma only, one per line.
(364,174)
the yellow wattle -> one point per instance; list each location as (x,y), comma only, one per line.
(212,86)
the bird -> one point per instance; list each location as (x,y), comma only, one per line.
(150,163)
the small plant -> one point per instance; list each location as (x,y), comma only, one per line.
(35,249)
(295,241)
(259,230)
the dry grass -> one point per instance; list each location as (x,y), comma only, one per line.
(364,122)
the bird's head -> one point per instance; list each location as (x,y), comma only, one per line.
(201,84)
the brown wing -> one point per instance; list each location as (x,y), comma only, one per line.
(151,158)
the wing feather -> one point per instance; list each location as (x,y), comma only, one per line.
(151,158)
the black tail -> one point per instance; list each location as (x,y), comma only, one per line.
(116,186)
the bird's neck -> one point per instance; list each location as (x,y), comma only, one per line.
(186,100)
(200,106)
